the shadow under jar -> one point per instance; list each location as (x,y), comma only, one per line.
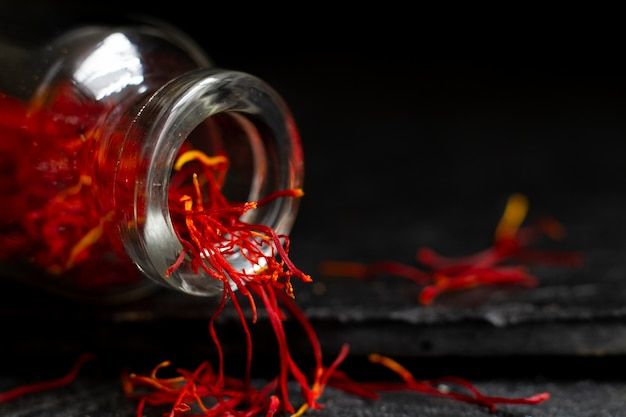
(91,123)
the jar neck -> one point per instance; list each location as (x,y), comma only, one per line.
(215,111)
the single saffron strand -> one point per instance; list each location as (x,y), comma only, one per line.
(514,215)
(292,193)
(431,387)
(177,263)
(83,180)
(215,338)
(246,330)
(273,407)
(473,279)
(340,380)
(393,365)
(49,385)
(195,155)
(140,407)
(90,239)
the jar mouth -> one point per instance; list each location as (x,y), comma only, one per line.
(250,120)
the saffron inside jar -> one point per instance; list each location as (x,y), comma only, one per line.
(58,214)
(51,216)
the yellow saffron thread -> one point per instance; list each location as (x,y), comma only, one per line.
(513,216)
(195,155)
(89,239)
(303,408)
(75,189)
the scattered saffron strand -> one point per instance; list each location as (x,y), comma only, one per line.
(210,229)
(476,278)
(372,390)
(429,387)
(295,193)
(140,406)
(273,406)
(49,385)
(505,263)
(514,214)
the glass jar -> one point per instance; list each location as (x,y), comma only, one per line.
(91,122)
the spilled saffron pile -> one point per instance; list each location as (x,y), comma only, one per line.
(211,229)
(52,384)
(504,263)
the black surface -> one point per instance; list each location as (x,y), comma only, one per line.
(575,312)
(573,399)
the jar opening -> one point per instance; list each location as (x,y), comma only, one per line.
(236,137)
(219,113)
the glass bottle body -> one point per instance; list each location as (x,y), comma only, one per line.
(92,123)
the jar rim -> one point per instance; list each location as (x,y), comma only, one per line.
(164,123)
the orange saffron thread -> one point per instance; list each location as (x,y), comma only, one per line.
(514,215)
(195,155)
(90,239)
(393,365)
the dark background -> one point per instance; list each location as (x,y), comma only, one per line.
(416,126)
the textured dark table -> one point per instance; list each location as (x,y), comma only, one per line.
(576,398)
(571,328)
(578,312)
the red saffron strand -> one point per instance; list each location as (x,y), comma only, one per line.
(273,406)
(283,349)
(49,385)
(473,279)
(246,330)
(429,387)
(504,263)
(140,406)
(215,338)
(293,309)
(295,193)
